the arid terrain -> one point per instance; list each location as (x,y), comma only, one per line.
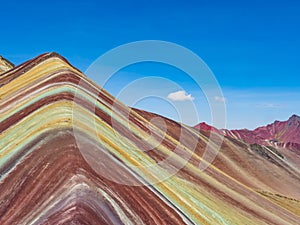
(56,168)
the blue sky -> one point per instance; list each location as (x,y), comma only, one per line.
(252,47)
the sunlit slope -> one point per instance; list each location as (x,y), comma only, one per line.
(50,112)
(5,65)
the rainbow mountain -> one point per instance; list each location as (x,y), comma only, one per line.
(70,153)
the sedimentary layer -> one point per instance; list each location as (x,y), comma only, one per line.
(72,154)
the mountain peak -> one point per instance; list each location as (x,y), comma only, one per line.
(294,121)
(5,65)
(205,127)
(295,118)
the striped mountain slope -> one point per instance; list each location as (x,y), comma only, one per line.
(72,154)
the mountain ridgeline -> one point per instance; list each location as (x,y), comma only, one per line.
(282,134)
(70,153)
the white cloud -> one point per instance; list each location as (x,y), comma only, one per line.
(180,96)
(220,99)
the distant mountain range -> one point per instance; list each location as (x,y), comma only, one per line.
(284,134)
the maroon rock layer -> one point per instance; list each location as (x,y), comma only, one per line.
(46,178)
(285,134)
